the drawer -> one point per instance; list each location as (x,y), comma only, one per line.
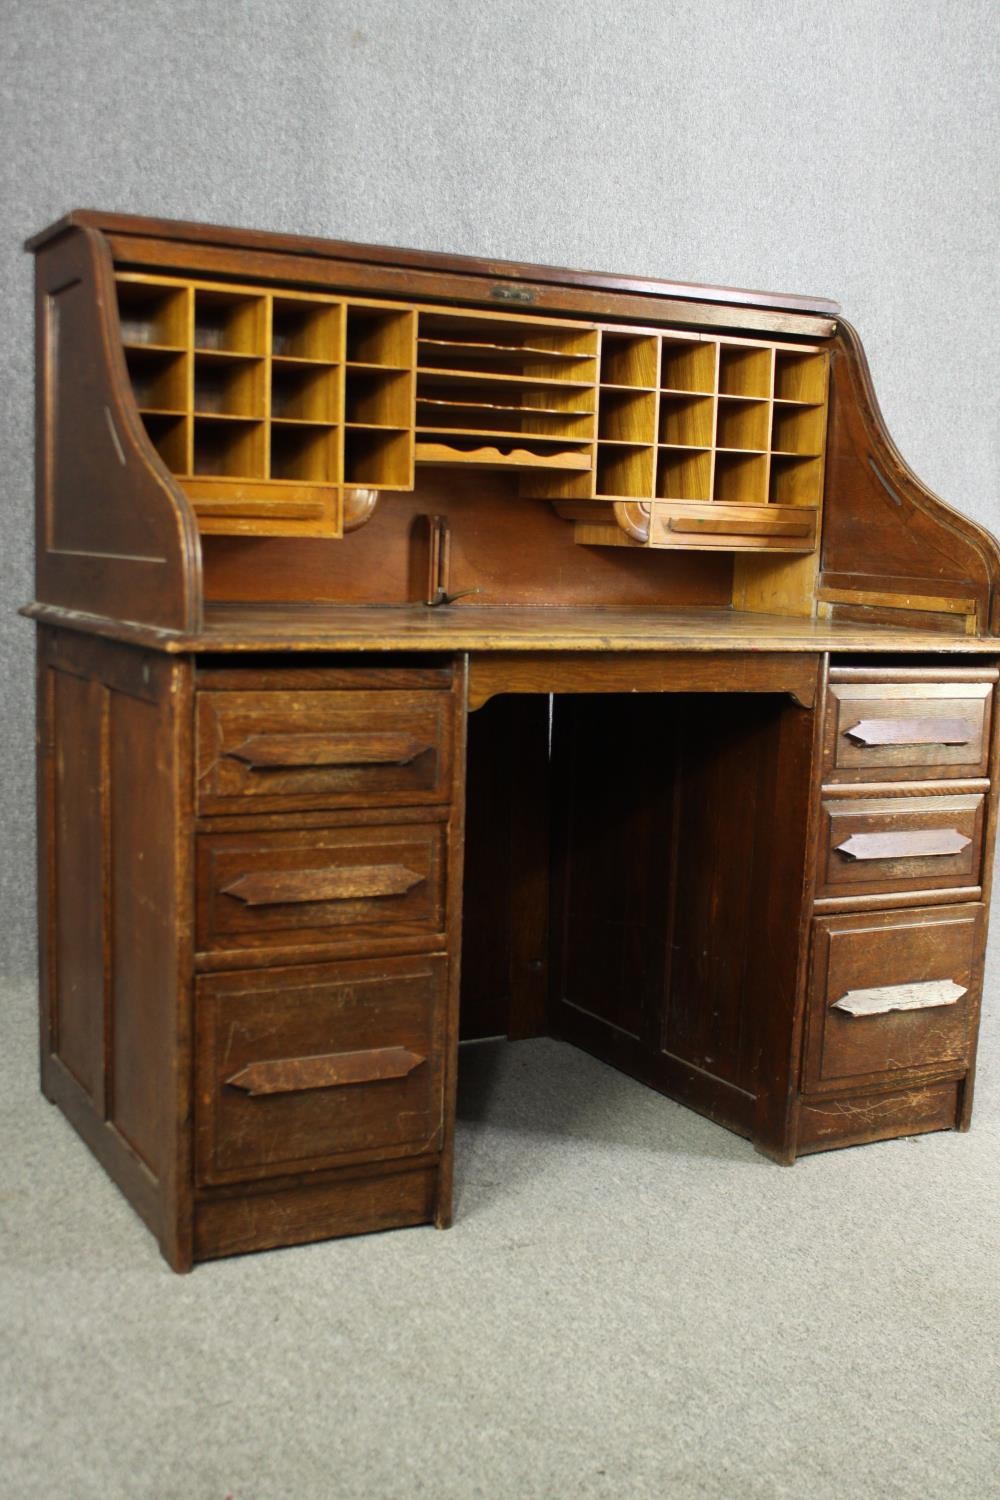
(875,845)
(910,730)
(361,885)
(318,1066)
(277,751)
(892,992)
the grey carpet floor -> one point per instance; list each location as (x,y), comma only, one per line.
(631,1304)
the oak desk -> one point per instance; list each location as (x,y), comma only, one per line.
(433,647)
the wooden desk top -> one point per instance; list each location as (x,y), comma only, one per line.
(483,628)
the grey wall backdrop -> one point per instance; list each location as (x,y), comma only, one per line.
(847,147)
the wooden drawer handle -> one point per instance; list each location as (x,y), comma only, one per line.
(718,526)
(870,732)
(278,887)
(916,843)
(293,1075)
(883,998)
(270,752)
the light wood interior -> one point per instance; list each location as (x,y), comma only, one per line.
(245,390)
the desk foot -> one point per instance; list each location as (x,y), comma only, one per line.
(784,1156)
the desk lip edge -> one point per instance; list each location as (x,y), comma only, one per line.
(489,639)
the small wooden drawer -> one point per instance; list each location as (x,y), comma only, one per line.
(892,993)
(364,887)
(282,751)
(317,1066)
(875,845)
(907,730)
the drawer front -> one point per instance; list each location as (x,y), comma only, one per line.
(321,885)
(318,1066)
(912,731)
(277,751)
(891,993)
(875,845)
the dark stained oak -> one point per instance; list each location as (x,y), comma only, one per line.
(891,1036)
(299,888)
(689,760)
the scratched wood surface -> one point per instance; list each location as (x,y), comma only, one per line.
(253,787)
(472,628)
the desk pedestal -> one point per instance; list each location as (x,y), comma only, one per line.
(755,881)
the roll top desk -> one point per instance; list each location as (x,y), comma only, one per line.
(432,647)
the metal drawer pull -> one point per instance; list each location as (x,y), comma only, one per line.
(277,887)
(886,997)
(911,732)
(913,843)
(271,752)
(293,1075)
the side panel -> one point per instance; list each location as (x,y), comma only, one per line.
(892,551)
(505,929)
(79,773)
(115,535)
(115,904)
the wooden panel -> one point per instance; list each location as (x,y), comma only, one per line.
(612,781)
(873,844)
(856,1119)
(617,672)
(144,997)
(505,950)
(680,867)
(266,674)
(333,749)
(514,550)
(907,730)
(78,1003)
(885,521)
(180,235)
(116,759)
(114,533)
(319,1207)
(469,280)
(859,953)
(285,1016)
(347,887)
(722,769)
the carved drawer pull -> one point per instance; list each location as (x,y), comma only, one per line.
(883,998)
(276,887)
(271,752)
(916,843)
(293,1075)
(911,732)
